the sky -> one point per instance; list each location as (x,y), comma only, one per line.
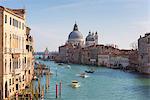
(119,22)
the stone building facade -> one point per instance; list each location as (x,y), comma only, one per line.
(16,47)
(144,53)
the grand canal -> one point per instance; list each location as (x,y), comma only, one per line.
(104,84)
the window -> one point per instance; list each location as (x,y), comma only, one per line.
(17,86)
(13,81)
(15,23)
(23,78)
(25,60)
(19,63)
(19,24)
(5,18)
(22,26)
(10,20)
(5,39)
(10,41)
(20,79)
(5,66)
(27,47)
(9,81)
(10,65)
(148,41)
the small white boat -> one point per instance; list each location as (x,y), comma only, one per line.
(75,84)
(42,98)
(83,75)
(35,78)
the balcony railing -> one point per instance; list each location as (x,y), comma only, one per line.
(14,50)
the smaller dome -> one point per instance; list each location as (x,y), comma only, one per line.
(90,37)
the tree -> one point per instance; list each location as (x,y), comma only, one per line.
(134,45)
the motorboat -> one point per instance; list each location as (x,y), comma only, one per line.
(90,71)
(75,84)
(83,75)
(60,64)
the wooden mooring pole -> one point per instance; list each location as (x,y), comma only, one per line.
(60,88)
(56,90)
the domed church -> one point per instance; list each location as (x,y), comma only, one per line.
(76,37)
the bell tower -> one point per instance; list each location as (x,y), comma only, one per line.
(96,38)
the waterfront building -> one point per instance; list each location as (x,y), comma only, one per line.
(64,52)
(16,48)
(103,60)
(133,58)
(119,61)
(113,61)
(144,53)
(29,65)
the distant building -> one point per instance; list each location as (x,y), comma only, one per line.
(16,49)
(46,54)
(144,53)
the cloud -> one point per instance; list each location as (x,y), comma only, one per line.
(63,6)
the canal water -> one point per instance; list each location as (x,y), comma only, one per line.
(103,84)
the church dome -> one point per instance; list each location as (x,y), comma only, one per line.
(90,37)
(75,34)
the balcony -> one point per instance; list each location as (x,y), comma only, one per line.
(16,50)
(12,72)
(7,50)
